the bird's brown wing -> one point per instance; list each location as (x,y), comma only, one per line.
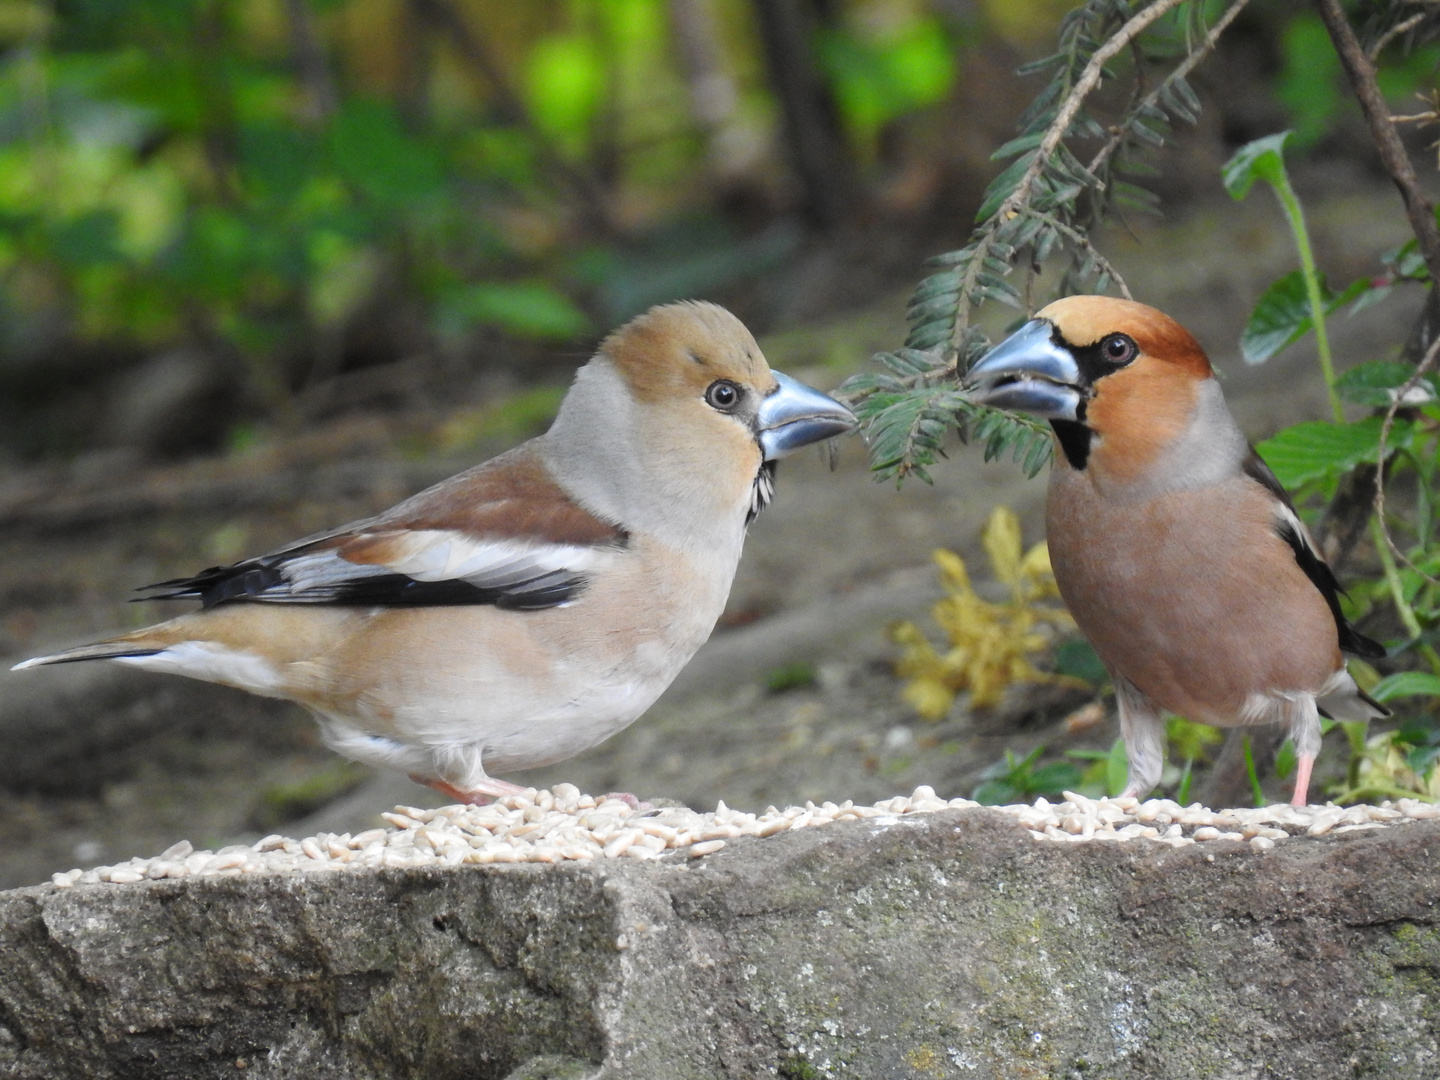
(1289,528)
(501,533)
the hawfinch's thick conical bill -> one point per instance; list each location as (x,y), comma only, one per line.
(1174,546)
(522,611)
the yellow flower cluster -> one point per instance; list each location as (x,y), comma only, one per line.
(990,644)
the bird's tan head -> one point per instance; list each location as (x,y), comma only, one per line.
(684,391)
(1119,381)
(676,351)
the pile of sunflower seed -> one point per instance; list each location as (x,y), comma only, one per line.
(558,825)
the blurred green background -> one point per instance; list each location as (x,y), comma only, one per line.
(218,216)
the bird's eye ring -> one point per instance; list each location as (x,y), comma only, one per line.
(722,394)
(1119,349)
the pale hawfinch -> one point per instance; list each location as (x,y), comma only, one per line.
(528,608)
(1174,546)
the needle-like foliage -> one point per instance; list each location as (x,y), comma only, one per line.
(1041,207)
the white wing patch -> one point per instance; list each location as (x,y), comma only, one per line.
(439,555)
(212,663)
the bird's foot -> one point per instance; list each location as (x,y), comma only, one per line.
(629,800)
(481,795)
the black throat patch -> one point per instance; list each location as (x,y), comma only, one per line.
(1074,439)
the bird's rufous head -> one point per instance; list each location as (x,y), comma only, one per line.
(1119,381)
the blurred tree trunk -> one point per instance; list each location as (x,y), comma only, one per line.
(312,69)
(710,88)
(814,140)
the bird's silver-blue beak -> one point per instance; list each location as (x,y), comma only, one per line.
(1030,373)
(794,415)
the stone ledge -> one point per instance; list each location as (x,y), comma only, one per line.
(946,944)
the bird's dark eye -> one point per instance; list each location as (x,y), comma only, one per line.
(723,395)
(1119,349)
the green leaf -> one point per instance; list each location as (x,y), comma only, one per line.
(1321,448)
(565,86)
(1052,779)
(1262,159)
(997,793)
(1117,768)
(1286,759)
(373,152)
(527,309)
(1309,83)
(1003,186)
(1373,383)
(1019,145)
(89,239)
(1406,684)
(1282,314)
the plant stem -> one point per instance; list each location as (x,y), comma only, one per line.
(1355,732)
(1296,216)
(1250,772)
(1397,592)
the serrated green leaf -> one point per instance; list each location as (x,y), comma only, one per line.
(1318,449)
(1406,684)
(1282,315)
(1372,383)
(1262,159)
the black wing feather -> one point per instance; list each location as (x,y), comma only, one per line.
(1316,568)
(263,580)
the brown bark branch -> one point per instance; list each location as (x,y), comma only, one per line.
(1361,73)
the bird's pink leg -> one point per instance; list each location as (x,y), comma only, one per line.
(1302,779)
(480,795)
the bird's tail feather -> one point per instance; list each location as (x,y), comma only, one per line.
(1355,705)
(104,650)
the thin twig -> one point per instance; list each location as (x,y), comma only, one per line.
(1395,405)
(1361,73)
(1181,70)
(1089,79)
(1079,239)
(1402,27)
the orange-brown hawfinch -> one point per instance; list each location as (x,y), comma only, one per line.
(528,608)
(1174,546)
